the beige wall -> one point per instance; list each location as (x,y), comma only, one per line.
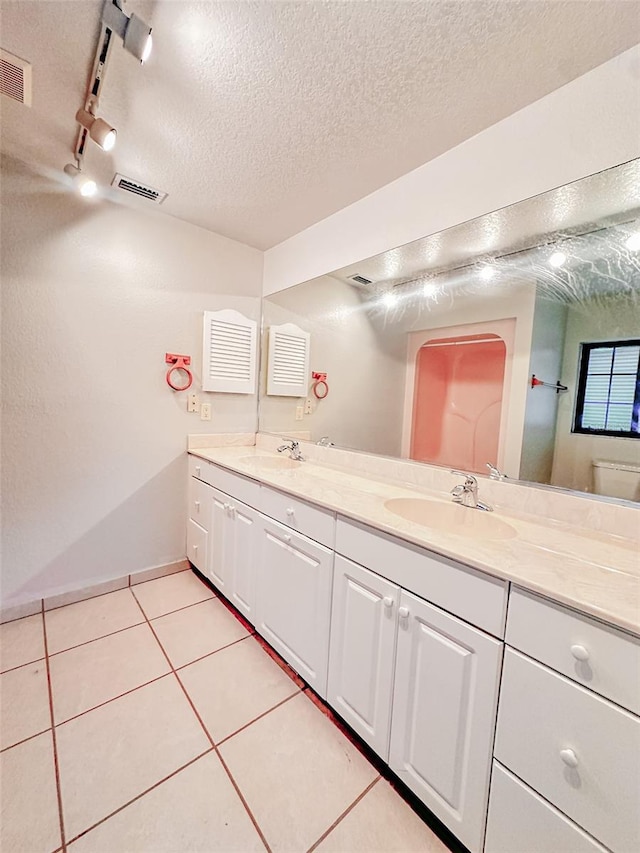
(93,440)
(594,320)
(364,407)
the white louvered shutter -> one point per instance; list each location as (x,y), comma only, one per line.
(229,352)
(288,374)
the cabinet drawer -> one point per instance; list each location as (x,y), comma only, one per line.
(316,523)
(463,591)
(575,748)
(519,819)
(232,484)
(197,545)
(199,498)
(599,657)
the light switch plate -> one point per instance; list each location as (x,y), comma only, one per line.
(192,403)
(299,413)
(205,412)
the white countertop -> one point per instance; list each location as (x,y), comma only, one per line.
(591,571)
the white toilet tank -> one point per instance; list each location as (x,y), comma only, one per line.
(616,479)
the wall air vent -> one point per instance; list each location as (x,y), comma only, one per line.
(128,185)
(15,78)
(360,279)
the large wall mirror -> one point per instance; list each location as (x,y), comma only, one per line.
(513,340)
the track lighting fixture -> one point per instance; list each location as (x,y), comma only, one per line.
(135,34)
(85,186)
(99,130)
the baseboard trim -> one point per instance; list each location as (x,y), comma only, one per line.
(51,602)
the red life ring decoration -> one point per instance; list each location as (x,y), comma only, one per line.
(320,386)
(178,362)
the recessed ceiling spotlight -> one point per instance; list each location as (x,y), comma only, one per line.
(99,130)
(633,242)
(429,290)
(389,300)
(487,272)
(135,34)
(557,259)
(85,186)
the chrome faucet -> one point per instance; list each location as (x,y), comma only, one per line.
(467,493)
(325,441)
(294,450)
(495,473)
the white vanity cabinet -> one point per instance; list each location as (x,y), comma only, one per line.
(420,687)
(232,550)
(293,599)
(444,708)
(362,652)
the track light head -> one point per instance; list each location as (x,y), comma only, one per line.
(135,34)
(99,130)
(85,186)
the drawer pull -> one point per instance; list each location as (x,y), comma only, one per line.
(403,612)
(569,757)
(227,507)
(197,504)
(195,547)
(286,537)
(197,470)
(580,653)
(290,513)
(388,602)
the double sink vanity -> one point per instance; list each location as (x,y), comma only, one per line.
(491,659)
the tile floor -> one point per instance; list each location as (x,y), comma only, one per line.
(151,720)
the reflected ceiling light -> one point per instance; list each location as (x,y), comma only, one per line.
(430,289)
(85,186)
(135,34)
(389,300)
(487,272)
(557,259)
(633,242)
(99,130)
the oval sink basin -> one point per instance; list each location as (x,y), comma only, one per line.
(270,463)
(451,518)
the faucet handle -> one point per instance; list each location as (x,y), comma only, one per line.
(470,480)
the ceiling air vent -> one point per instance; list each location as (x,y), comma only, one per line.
(15,78)
(360,279)
(128,185)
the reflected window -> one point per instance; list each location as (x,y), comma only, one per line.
(608,397)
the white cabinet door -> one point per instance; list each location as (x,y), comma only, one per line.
(444,709)
(243,521)
(293,603)
(362,651)
(197,545)
(220,542)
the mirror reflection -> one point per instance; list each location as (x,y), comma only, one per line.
(521,361)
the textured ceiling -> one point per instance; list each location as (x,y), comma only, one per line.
(260,119)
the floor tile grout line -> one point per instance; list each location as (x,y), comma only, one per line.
(120,630)
(99,595)
(24,740)
(341,817)
(214,652)
(142,794)
(20,665)
(207,733)
(54,738)
(259,717)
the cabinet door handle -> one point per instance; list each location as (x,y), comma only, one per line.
(569,757)
(286,537)
(197,505)
(197,470)
(580,653)
(403,612)
(232,511)
(195,547)
(227,507)
(388,602)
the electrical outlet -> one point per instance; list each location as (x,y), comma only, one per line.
(205,412)
(299,413)
(193,403)
(308,407)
